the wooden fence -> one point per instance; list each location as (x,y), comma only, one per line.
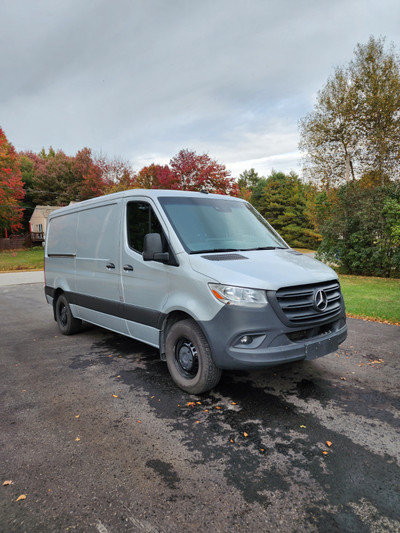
(15,243)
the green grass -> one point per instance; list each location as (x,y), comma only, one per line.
(30,259)
(373,298)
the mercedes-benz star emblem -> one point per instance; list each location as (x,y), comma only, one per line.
(320,300)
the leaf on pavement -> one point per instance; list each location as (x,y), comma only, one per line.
(328,443)
(7,482)
(77,439)
(190,404)
(325,453)
(115,395)
(245,434)
(22,497)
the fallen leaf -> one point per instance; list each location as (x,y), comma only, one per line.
(325,453)
(139,421)
(22,497)
(197,421)
(233,403)
(343,378)
(245,434)
(115,395)
(7,482)
(118,377)
(262,450)
(328,443)
(77,439)
(110,356)
(217,407)
(190,404)
(77,416)
(303,427)
(232,441)
(198,403)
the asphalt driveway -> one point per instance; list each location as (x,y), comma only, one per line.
(97,438)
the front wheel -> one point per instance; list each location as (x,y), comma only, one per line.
(189,358)
(67,323)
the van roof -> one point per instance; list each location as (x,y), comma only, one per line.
(145,193)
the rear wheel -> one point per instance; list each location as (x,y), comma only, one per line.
(189,358)
(67,323)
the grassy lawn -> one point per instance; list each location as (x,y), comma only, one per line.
(373,298)
(30,259)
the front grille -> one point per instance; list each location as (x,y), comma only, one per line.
(298,303)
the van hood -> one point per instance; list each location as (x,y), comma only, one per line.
(262,269)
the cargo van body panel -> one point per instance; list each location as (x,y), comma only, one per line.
(202,277)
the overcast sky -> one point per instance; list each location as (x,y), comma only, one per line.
(142,79)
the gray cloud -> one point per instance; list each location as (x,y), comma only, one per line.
(142,79)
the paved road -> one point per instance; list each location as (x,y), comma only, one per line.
(20,278)
(97,437)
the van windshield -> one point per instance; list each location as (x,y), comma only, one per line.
(219,225)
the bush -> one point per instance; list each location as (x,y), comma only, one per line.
(362,230)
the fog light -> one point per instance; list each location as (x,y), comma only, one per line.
(246,339)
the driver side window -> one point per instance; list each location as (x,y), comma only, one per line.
(141,219)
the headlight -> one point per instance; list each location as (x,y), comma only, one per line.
(238,295)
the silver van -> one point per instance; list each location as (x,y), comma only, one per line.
(202,277)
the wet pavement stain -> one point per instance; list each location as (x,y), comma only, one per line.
(165,471)
(261,442)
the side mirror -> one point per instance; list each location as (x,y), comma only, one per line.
(153,249)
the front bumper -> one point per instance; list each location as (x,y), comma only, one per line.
(272,343)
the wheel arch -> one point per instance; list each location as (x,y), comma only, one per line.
(57,294)
(173,317)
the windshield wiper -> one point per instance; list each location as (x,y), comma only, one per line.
(215,250)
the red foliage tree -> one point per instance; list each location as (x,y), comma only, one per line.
(193,172)
(88,175)
(156,177)
(11,187)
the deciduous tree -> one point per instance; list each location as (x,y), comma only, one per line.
(11,187)
(194,172)
(156,177)
(354,129)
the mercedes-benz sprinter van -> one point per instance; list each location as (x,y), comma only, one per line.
(202,277)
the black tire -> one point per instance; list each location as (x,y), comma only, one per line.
(67,324)
(189,358)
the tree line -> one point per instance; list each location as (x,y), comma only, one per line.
(347,203)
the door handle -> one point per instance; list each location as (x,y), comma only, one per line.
(128,268)
(110,266)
